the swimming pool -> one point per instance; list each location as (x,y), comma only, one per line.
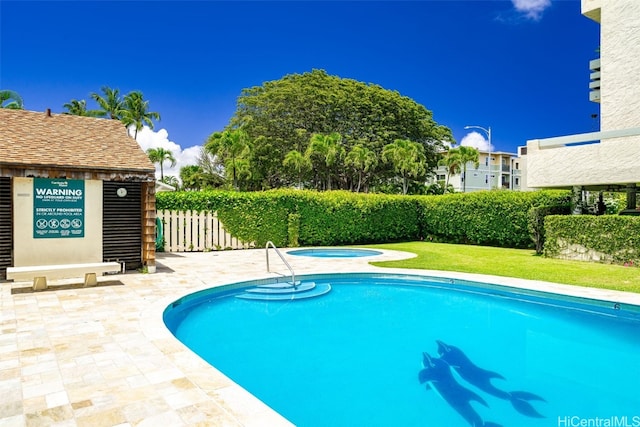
(334,252)
(365,353)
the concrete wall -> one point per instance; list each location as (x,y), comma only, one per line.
(71,250)
(614,160)
(620,65)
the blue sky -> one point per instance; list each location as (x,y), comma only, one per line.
(517,66)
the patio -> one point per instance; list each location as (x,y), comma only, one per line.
(101,356)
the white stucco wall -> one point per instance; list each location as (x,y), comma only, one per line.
(620,65)
(71,250)
(614,162)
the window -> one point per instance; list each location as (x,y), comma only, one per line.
(486,179)
(517,181)
(517,165)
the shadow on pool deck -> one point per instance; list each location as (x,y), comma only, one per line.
(65,286)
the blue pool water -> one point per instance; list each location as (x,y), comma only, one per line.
(334,252)
(395,350)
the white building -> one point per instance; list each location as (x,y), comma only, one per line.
(506,172)
(608,159)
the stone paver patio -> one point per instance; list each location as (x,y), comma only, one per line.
(101,356)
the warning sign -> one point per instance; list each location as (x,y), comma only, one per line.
(58,208)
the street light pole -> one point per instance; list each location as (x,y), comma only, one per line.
(488,132)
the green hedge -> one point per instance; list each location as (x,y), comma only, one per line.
(309,218)
(615,238)
(497,218)
(537,215)
(343,217)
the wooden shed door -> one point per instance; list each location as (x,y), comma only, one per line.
(122,223)
(6,227)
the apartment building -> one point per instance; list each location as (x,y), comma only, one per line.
(503,171)
(608,159)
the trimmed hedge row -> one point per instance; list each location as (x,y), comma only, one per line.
(611,238)
(499,218)
(342,217)
(537,216)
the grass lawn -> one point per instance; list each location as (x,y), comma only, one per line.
(521,263)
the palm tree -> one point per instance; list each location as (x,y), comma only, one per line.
(468,154)
(362,159)
(14,100)
(160,155)
(231,146)
(79,108)
(407,158)
(328,149)
(298,162)
(136,112)
(111,104)
(451,161)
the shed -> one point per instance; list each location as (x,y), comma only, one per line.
(73,190)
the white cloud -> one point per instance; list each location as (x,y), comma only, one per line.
(476,140)
(148,138)
(532,9)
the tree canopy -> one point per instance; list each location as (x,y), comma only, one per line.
(132,109)
(325,118)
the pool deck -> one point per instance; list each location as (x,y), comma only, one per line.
(101,356)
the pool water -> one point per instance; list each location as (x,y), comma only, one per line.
(356,356)
(334,252)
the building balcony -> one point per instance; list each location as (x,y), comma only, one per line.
(594,83)
(593,160)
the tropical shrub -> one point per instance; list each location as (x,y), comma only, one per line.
(605,238)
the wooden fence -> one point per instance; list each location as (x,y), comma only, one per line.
(195,232)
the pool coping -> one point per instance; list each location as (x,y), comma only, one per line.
(102,355)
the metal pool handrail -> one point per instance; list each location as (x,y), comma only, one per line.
(266,248)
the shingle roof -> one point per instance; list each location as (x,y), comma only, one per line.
(35,139)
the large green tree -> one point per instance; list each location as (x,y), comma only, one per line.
(326,153)
(362,160)
(299,163)
(233,148)
(407,159)
(286,113)
(11,100)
